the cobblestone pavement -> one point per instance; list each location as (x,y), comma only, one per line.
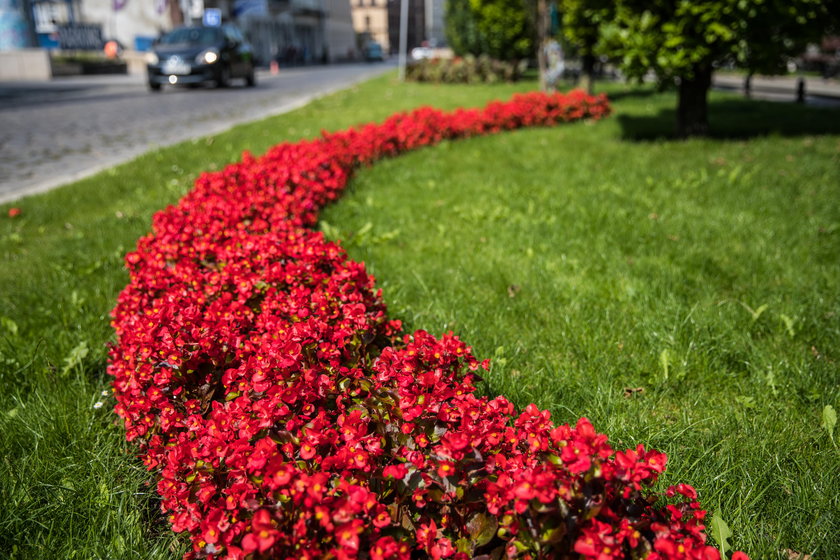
(57,132)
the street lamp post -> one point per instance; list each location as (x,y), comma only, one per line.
(403,37)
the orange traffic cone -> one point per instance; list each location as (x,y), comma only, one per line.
(275,68)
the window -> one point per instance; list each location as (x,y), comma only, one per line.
(204,36)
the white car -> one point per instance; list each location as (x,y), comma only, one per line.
(421,53)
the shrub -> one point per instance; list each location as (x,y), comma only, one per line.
(467,70)
(287,417)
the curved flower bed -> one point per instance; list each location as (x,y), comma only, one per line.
(287,417)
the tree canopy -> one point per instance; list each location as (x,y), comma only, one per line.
(674,38)
(682,42)
(502,29)
(581,24)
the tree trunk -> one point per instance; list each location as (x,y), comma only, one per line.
(542,38)
(588,73)
(748,85)
(693,104)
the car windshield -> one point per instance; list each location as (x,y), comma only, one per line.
(203,36)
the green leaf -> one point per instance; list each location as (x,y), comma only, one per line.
(9,325)
(75,357)
(756,313)
(387,236)
(499,357)
(829,420)
(721,533)
(463,545)
(365,229)
(733,176)
(329,231)
(482,528)
(665,362)
(788,324)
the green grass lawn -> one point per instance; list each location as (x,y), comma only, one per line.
(682,294)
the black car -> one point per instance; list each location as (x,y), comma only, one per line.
(195,55)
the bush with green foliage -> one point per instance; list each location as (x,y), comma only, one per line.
(465,70)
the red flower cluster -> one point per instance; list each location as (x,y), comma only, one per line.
(287,416)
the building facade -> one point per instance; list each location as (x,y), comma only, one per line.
(133,24)
(416,23)
(370,20)
(288,31)
(435,31)
(341,33)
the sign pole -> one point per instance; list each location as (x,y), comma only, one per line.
(403,37)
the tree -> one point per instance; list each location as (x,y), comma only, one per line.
(501,29)
(581,26)
(542,25)
(506,26)
(461,30)
(683,41)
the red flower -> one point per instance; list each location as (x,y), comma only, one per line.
(397,471)
(348,535)
(287,416)
(384,548)
(445,468)
(14,212)
(262,535)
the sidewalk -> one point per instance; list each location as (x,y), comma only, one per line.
(782,88)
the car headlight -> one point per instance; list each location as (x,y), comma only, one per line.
(152,58)
(207,57)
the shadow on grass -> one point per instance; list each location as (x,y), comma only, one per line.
(738,119)
(635,93)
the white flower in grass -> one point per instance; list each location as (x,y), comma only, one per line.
(98,404)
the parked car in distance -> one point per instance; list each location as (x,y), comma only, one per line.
(421,53)
(196,55)
(373,51)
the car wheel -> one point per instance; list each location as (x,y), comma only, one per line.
(224,77)
(154,86)
(251,78)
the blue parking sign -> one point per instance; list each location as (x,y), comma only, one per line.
(212,17)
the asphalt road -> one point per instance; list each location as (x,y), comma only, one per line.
(61,131)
